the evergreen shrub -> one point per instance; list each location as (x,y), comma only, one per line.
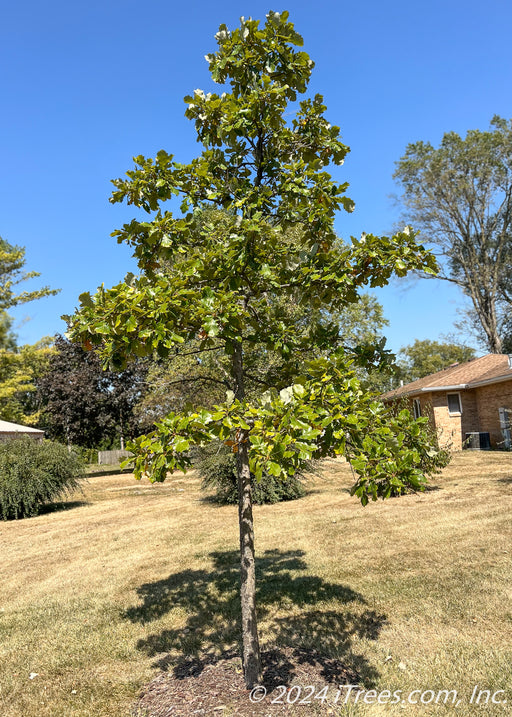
(217,467)
(34,473)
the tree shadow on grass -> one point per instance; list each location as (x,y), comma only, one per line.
(317,619)
(62,505)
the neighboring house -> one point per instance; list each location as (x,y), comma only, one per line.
(469,398)
(14,430)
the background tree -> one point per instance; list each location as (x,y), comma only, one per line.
(234,277)
(20,369)
(12,261)
(20,366)
(507,335)
(460,196)
(125,389)
(85,406)
(425,357)
(8,339)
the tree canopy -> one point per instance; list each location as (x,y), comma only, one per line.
(191,376)
(20,369)
(425,357)
(82,405)
(20,366)
(460,196)
(226,282)
(12,262)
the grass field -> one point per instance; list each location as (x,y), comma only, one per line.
(414,593)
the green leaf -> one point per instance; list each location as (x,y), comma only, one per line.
(181,445)
(273,468)
(86,300)
(131,324)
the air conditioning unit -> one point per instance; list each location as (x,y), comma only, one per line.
(478,441)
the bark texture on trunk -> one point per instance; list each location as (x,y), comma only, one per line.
(250,641)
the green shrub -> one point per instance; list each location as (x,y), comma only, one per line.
(87,455)
(33,473)
(217,468)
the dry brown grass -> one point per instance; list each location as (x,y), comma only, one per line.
(413,593)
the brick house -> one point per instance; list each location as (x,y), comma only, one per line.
(469,404)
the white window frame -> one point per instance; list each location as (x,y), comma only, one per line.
(416,407)
(454,413)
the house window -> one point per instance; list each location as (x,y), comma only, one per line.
(416,407)
(454,403)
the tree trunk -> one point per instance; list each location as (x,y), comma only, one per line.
(121,429)
(250,642)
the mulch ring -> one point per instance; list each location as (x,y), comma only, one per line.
(297,681)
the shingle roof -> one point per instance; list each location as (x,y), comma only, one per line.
(6,427)
(486,369)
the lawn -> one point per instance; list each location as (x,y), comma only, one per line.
(413,594)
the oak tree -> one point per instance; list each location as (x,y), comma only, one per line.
(193,377)
(222,283)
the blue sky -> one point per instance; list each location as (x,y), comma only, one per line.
(85,86)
